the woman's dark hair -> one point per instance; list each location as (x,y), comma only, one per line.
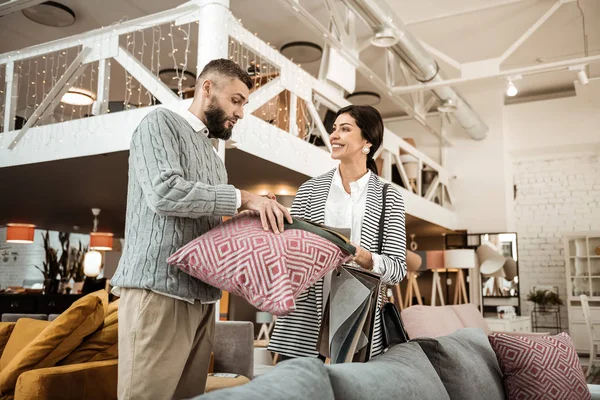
(370,123)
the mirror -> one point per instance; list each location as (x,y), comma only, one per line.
(498,258)
(497,274)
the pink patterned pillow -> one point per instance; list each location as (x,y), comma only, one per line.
(540,367)
(270,271)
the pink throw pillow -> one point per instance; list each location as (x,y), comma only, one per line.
(270,271)
(540,367)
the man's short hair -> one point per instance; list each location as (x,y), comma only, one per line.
(225,68)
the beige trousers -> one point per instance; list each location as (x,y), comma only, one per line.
(164,346)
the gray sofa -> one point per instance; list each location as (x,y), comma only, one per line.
(461,365)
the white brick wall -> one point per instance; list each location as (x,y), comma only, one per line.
(554,196)
(12,273)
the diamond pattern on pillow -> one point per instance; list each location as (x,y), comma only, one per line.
(540,367)
(270,271)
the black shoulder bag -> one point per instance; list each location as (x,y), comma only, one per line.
(393,328)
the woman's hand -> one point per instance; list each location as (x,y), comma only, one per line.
(363,258)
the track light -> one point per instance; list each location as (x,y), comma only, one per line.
(581,74)
(511,89)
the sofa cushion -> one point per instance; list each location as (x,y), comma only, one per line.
(25,330)
(102,344)
(538,367)
(6,328)
(466,364)
(402,372)
(270,271)
(427,321)
(59,338)
(297,379)
(470,317)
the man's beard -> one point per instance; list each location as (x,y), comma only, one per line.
(215,121)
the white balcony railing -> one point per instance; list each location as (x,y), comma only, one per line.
(284,115)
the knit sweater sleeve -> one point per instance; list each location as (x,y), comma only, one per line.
(155,154)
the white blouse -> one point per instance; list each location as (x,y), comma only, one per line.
(346,210)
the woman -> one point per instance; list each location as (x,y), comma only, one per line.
(349,196)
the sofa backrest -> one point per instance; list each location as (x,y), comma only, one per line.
(428,321)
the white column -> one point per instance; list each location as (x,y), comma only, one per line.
(10,98)
(213,42)
(213,31)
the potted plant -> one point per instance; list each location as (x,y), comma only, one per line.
(51,267)
(543,298)
(76,261)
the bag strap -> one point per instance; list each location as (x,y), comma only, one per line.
(382,219)
(383,288)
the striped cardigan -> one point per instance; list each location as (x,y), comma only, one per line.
(296,335)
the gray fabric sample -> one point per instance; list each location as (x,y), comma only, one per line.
(403,372)
(466,364)
(297,379)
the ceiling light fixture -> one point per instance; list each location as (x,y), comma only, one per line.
(78,97)
(448,106)
(364,98)
(581,73)
(170,77)
(50,13)
(384,37)
(20,233)
(511,89)
(302,52)
(100,240)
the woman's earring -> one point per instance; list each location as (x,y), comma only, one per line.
(366,150)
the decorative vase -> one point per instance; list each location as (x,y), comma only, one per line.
(51,286)
(77,287)
(64,284)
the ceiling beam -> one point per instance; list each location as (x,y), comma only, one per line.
(464,12)
(12,6)
(361,67)
(534,69)
(531,30)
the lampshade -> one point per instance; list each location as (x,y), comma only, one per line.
(20,233)
(490,261)
(101,241)
(92,263)
(435,259)
(459,259)
(264,317)
(413,261)
(510,268)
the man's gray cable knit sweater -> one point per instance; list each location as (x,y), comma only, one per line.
(177,191)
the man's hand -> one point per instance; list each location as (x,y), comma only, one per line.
(271,212)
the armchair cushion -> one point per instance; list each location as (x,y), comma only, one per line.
(25,330)
(102,344)
(58,339)
(6,328)
(90,381)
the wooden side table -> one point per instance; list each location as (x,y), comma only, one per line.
(519,324)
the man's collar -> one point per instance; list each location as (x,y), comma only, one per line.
(195,122)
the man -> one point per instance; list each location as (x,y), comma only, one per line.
(177,191)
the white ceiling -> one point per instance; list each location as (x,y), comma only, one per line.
(455,27)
